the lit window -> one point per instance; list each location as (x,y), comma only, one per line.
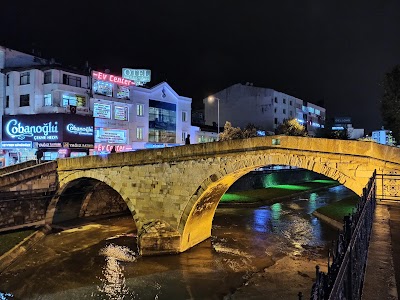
(184,135)
(24,78)
(139,133)
(47,100)
(68,100)
(184,116)
(140,110)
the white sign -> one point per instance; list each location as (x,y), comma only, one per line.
(139,76)
(111,135)
(101,110)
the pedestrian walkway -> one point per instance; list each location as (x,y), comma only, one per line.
(383,264)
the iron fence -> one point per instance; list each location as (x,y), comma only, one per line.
(347,260)
(388,187)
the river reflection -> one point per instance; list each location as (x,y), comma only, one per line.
(88,264)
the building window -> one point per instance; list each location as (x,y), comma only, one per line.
(24,100)
(140,110)
(276,121)
(24,78)
(162,122)
(71,80)
(184,116)
(290,102)
(284,111)
(47,100)
(8,80)
(291,113)
(184,135)
(47,77)
(275,110)
(139,133)
(284,101)
(68,100)
(7,104)
(276,100)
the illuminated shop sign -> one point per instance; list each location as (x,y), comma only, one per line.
(109,135)
(103,88)
(75,129)
(47,130)
(11,144)
(121,113)
(112,78)
(108,148)
(139,76)
(122,92)
(101,110)
(16,129)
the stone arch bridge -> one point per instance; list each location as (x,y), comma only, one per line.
(173,193)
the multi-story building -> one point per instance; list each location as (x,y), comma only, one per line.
(162,117)
(345,123)
(384,137)
(266,108)
(71,113)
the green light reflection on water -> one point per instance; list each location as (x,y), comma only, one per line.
(276,211)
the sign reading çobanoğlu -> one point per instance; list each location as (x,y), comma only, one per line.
(47,128)
(111,78)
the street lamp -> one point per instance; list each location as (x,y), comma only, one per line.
(212,99)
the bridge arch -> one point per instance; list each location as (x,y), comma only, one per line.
(84,184)
(196,220)
(173,192)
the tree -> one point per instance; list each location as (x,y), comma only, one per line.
(250,131)
(390,101)
(291,127)
(230,132)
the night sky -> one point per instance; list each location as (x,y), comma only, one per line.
(335,51)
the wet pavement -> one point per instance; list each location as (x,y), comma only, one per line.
(382,278)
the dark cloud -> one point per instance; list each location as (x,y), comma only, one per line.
(336,51)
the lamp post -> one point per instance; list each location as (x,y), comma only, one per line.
(212,99)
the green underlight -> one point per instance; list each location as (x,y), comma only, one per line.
(290,187)
(324,181)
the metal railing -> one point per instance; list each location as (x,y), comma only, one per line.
(347,261)
(388,187)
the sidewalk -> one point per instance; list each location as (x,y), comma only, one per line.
(383,264)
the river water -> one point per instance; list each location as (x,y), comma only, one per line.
(269,252)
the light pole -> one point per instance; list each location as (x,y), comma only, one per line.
(212,99)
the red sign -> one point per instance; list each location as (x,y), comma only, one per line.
(108,147)
(112,78)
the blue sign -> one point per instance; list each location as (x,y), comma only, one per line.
(15,144)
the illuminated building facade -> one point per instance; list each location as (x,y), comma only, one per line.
(37,93)
(163,118)
(242,104)
(123,116)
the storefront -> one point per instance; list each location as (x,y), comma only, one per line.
(58,135)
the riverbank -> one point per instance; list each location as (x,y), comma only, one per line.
(271,195)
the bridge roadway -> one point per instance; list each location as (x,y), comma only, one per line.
(172,193)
